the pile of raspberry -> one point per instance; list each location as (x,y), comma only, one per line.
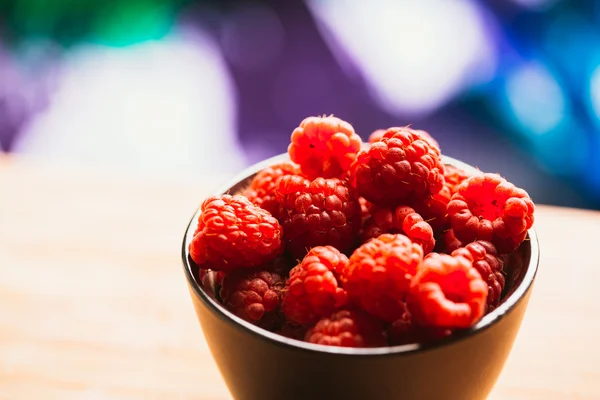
(362,244)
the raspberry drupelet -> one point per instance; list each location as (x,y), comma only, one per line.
(262,189)
(234,233)
(347,328)
(447,292)
(487,207)
(324,146)
(400,166)
(402,219)
(379,272)
(485,260)
(312,291)
(253,295)
(317,213)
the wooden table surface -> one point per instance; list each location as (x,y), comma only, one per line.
(93,301)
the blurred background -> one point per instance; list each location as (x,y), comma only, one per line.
(171,87)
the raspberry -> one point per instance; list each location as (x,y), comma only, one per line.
(447,292)
(454,176)
(262,189)
(233,233)
(379,272)
(402,219)
(347,328)
(487,207)
(312,290)
(324,146)
(483,255)
(318,213)
(451,242)
(253,295)
(434,208)
(376,135)
(399,166)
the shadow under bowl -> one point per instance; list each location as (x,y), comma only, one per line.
(260,365)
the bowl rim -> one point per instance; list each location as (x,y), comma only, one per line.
(220,311)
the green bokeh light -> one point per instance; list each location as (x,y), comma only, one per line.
(110,22)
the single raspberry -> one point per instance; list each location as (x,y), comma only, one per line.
(434,208)
(318,213)
(324,146)
(399,166)
(485,260)
(347,328)
(262,189)
(376,135)
(253,295)
(487,207)
(451,243)
(312,290)
(402,219)
(292,331)
(447,292)
(233,233)
(379,272)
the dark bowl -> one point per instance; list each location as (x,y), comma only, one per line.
(260,365)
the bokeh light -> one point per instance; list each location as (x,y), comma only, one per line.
(536,99)
(145,107)
(415,56)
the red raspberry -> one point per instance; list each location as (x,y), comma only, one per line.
(347,328)
(487,207)
(324,146)
(454,176)
(434,208)
(233,233)
(403,220)
(376,135)
(312,290)
(253,295)
(451,242)
(484,257)
(262,189)
(399,166)
(318,213)
(379,272)
(447,292)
